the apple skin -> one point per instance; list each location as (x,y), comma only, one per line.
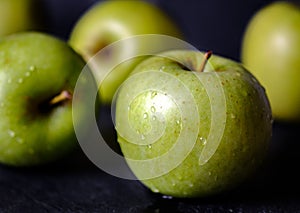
(34,69)
(20,15)
(110,21)
(245,117)
(271,51)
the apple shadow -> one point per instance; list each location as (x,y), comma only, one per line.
(276,183)
(275,186)
(279,177)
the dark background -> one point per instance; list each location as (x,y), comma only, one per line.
(216,25)
(74,184)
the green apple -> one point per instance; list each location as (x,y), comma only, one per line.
(20,15)
(110,21)
(190,130)
(38,74)
(271,51)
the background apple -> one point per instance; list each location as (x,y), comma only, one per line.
(38,74)
(109,21)
(271,51)
(275,189)
(20,15)
(188,133)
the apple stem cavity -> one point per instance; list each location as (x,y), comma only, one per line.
(207,55)
(60,98)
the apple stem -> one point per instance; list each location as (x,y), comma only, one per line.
(63,96)
(204,62)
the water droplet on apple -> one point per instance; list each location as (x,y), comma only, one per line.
(232,116)
(145,126)
(178,122)
(27,74)
(142,137)
(145,116)
(155,190)
(153,109)
(203,140)
(11,133)
(153,94)
(238,74)
(149,146)
(32,68)
(162,68)
(20,80)
(173,184)
(191,185)
(153,117)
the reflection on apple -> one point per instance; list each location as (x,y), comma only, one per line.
(188,129)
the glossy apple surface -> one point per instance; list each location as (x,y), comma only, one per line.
(271,51)
(110,21)
(20,15)
(188,133)
(38,74)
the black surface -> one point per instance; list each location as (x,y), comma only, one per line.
(74,184)
(216,25)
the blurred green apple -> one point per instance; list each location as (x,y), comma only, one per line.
(20,15)
(188,130)
(271,51)
(110,21)
(38,74)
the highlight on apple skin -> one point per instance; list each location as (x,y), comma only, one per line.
(189,130)
(271,51)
